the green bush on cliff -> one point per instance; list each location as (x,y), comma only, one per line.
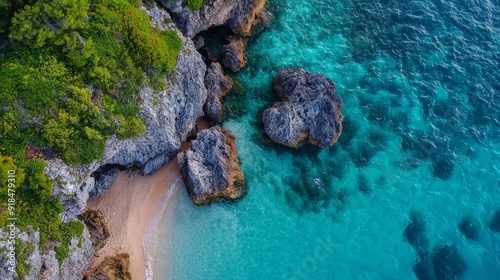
(194,5)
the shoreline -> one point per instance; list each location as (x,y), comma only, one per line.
(130,206)
(133,208)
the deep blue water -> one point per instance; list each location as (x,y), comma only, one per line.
(410,189)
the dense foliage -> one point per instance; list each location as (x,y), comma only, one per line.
(70,71)
(194,5)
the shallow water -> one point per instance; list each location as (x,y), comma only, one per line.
(410,189)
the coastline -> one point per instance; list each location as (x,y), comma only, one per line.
(130,206)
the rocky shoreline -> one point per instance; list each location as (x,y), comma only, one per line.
(193,91)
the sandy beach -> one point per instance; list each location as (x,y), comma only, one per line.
(129,206)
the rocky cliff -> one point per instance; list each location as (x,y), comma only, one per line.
(170,115)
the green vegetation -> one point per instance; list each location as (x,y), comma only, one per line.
(194,5)
(70,71)
(35,207)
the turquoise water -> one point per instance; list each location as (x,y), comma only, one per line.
(421,142)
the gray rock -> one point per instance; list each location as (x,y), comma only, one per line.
(79,259)
(233,54)
(240,15)
(309,109)
(210,167)
(104,178)
(199,42)
(217,85)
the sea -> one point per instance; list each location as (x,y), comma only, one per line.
(411,190)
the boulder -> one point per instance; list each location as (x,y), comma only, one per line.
(217,85)
(242,16)
(309,109)
(233,54)
(210,167)
(96,225)
(111,268)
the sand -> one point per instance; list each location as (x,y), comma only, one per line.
(133,207)
(129,206)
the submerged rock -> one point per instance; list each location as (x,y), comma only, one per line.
(495,222)
(210,167)
(96,225)
(469,229)
(309,109)
(217,85)
(415,232)
(233,54)
(448,263)
(112,268)
(239,15)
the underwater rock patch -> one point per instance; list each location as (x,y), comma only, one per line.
(495,222)
(448,263)
(309,109)
(442,166)
(469,229)
(210,167)
(415,232)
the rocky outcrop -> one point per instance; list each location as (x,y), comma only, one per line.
(242,16)
(81,254)
(104,177)
(42,263)
(96,225)
(112,268)
(217,85)
(170,120)
(233,54)
(309,109)
(210,167)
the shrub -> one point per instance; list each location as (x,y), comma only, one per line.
(194,5)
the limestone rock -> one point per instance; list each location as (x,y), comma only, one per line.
(233,54)
(96,225)
(210,167)
(242,16)
(309,109)
(112,268)
(217,85)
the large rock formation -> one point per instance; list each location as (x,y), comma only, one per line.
(217,85)
(112,268)
(239,15)
(210,167)
(233,54)
(96,225)
(309,109)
